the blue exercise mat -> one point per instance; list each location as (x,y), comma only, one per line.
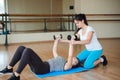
(58,73)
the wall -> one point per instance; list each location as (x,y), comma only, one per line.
(34,7)
(32,37)
(97,6)
(66,5)
(57,7)
(29,6)
(104,29)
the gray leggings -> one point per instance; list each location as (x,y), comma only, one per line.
(28,56)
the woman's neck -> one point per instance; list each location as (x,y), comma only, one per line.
(84,27)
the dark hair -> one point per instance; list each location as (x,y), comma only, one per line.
(80,64)
(76,31)
(81,17)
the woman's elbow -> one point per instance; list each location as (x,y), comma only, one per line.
(88,41)
(67,67)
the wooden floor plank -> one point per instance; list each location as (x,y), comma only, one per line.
(111,48)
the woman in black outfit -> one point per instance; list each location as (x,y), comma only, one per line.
(28,56)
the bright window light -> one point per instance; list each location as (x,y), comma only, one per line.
(2,9)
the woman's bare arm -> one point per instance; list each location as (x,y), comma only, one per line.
(55,54)
(68,65)
(87,41)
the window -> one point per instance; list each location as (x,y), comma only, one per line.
(2,9)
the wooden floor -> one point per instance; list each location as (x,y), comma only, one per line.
(111,48)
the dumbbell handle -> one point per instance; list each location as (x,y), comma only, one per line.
(69,37)
(75,37)
(54,37)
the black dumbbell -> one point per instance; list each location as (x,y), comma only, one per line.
(69,37)
(54,37)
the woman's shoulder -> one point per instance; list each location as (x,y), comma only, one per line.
(90,28)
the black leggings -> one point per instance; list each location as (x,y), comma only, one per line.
(28,56)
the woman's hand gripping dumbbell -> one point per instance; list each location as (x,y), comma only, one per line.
(54,36)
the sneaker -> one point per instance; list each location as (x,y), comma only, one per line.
(13,77)
(6,71)
(105,62)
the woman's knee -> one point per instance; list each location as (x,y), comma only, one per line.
(21,48)
(27,51)
(88,65)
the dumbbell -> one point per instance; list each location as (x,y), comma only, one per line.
(69,37)
(54,37)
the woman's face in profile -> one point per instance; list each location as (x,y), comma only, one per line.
(75,61)
(78,23)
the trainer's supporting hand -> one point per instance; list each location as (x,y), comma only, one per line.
(69,37)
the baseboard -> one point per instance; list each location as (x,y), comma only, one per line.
(51,41)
